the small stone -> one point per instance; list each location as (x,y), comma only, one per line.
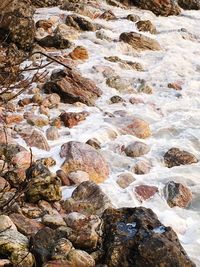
(67,32)
(144,192)
(4,185)
(36,120)
(13,119)
(116,99)
(55,41)
(120,84)
(53,221)
(47,162)
(24,102)
(71,119)
(51,101)
(43,23)
(94,143)
(80,23)
(136,149)
(176,157)
(145,88)
(141,167)
(61,249)
(108,15)
(52,133)
(177,194)
(135,101)
(146,26)
(79,53)
(125,179)
(78,177)
(133,17)
(175,85)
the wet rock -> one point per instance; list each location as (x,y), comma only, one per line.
(45,3)
(135,237)
(26,226)
(131,125)
(83,230)
(133,17)
(141,167)
(125,179)
(54,41)
(71,119)
(79,53)
(17,22)
(159,7)
(116,99)
(87,198)
(61,249)
(176,157)
(63,177)
(104,35)
(139,41)
(43,184)
(51,101)
(15,245)
(53,221)
(67,32)
(80,23)
(94,143)
(146,26)
(144,192)
(78,177)
(82,157)
(146,89)
(136,149)
(175,85)
(35,138)
(52,133)
(108,15)
(120,84)
(126,64)
(14,118)
(177,194)
(80,258)
(45,24)
(72,87)
(189,4)
(6,223)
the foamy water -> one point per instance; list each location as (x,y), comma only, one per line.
(174,116)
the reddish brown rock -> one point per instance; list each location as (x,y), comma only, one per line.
(139,41)
(176,85)
(22,159)
(63,177)
(108,15)
(72,87)
(144,192)
(177,194)
(131,125)
(71,119)
(79,52)
(24,225)
(176,157)
(82,157)
(13,119)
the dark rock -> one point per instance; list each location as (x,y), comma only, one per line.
(87,198)
(139,41)
(72,87)
(46,3)
(177,194)
(189,4)
(54,41)
(135,237)
(108,15)
(116,99)
(80,23)
(133,17)
(94,143)
(177,157)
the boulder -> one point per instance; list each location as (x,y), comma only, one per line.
(82,157)
(139,42)
(189,4)
(72,87)
(87,198)
(135,237)
(176,157)
(17,22)
(177,194)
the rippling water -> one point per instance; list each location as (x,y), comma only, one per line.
(174,116)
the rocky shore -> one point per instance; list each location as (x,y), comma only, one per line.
(99,134)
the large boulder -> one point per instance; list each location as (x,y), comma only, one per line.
(82,157)
(17,22)
(139,41)
(72,87)
(135,237)
(189,4)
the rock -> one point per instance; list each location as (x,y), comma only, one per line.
(43,23)
(15,177)
(44,185)
(57,263)
(46,3)
(4,185)
(26,226)
(159,7)
(141,167)
(120,84)
(79,53)
(6,223)
(116,99)
(80,23)
(17,22)
(78,177)
(63,177)
(87,198)
(82,157)
(61,248)
(133,17)
(84,230)
(67,32)
(14,118)
(51,101)
(176,157)
(189,4)
(71,119)
(35,138)
(108,15)
(5,263)
(139,42)
(54,41)
(136,149)
(15,245)
(104,35)
(80,258)
(175,85)
(53,221)
(145,88)
(144,192)
(5,136)
(47,162)
(135,237)
(72,87)
(125,179)
(131,125)
(94,143)
(22,159)
(126,64)
(52,133)
(146,26)
(177,194)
